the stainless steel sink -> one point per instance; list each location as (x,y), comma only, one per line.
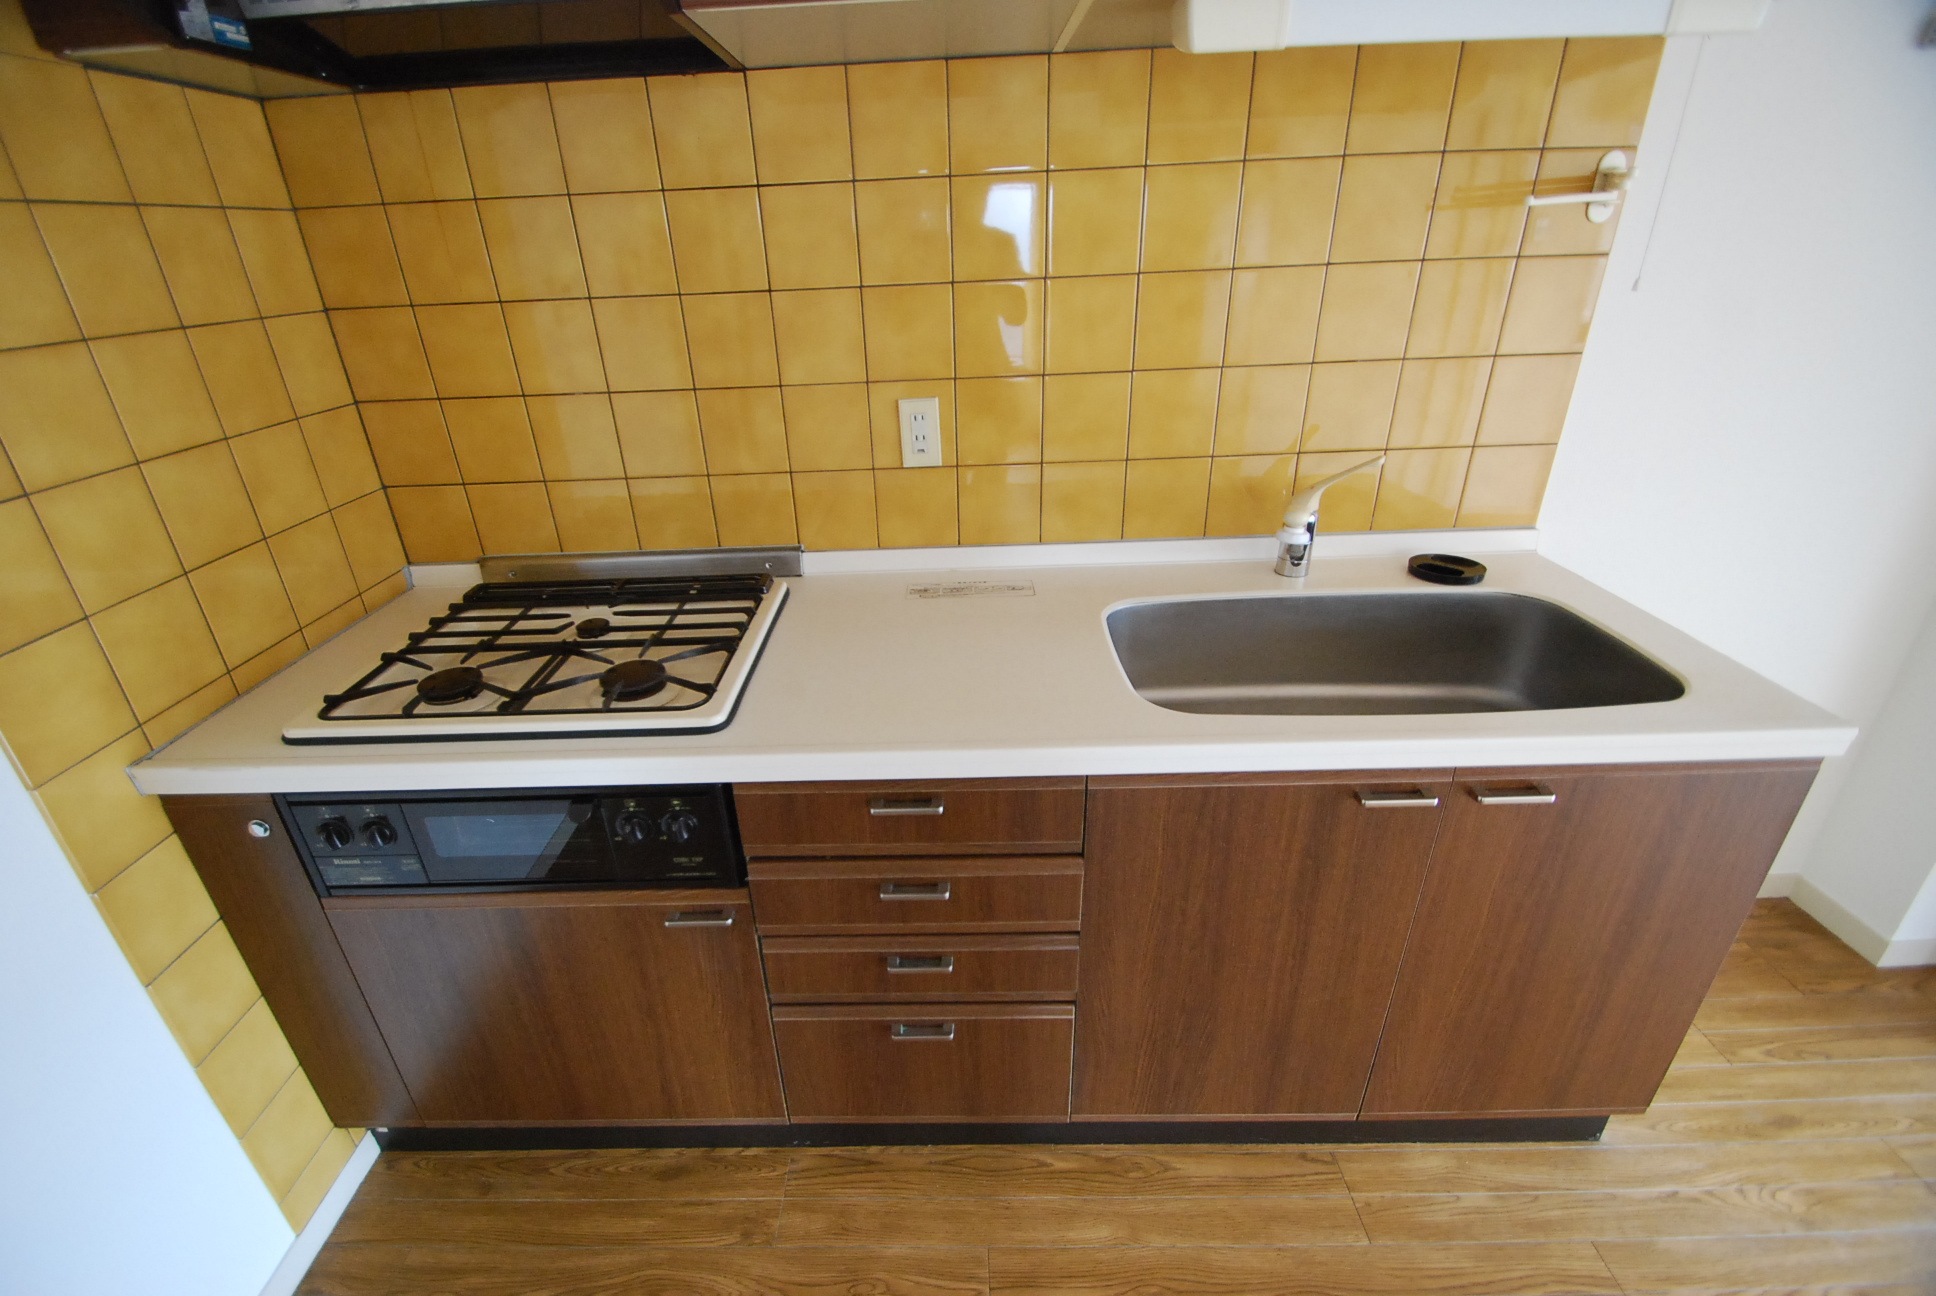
(1377,654)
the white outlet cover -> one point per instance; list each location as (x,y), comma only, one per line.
(921,432)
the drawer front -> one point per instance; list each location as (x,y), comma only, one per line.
(854,969)
(944,1062)
(851,897)
(981,816)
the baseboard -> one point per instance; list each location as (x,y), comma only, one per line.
(1852,931)
(1778,886)
(1909,953)
(302,1252)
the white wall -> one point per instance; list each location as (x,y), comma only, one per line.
(120,1175)
(1751,452)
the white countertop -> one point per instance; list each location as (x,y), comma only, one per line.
(861,680)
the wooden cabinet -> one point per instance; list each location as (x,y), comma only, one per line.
(969,894)
(938,817)
(899,968)
(1240,938)
(600,1006)
(1570,923)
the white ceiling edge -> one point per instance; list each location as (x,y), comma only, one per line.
(1224,26)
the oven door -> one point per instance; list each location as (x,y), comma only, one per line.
(556,839)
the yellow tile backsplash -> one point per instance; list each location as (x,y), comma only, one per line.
(189,497)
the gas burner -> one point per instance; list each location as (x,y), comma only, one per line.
(631,680)
(594,628)
(451,685)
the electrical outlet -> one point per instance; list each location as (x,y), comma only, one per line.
(921,432)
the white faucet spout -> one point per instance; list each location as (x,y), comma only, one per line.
(1300,527)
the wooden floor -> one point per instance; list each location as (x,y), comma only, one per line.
(1792,1149)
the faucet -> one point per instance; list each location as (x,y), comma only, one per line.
(1300,528)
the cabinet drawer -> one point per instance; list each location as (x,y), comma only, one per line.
(837,969)
(943,817)
(975,894)
(940,1062)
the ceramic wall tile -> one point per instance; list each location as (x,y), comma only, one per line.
(835,510)
(492,439)
(35,597)
(1274,315)
(246,675)
(810,236)
(716,240)
(1384,207)
(241,153)
(1564,229)
(1091,323)
(1085,417)
(731,337)
(1527,400)
(355,261)
(341,452)
(1551,305)
(509,140)
(1000,504)
(1402,98)
(899,118)
(1367,310)
(1459,307)
(997,421)
(1481,205)
(410,443)
(59,701)
(1260,409)
(799,118)
(246,1070)
(673,512)
(157,390)
(904,234)
(156,909)
(593,516)
(744,429)
(1505,485)
(1604,87)
(533,247)
(1419,489)
(415,146)
(1248,494)
(916,507)
(34,310)
(1180,318)
(204,503)
(200,261)
(321,149)
(468,349)
(202,994)
(624,244)
(440,249)
(1504,94)
(1095,221)
(58,423)
(658,434)
(113,281)
(910,331)
(55,136)
(243,598)
(828,428)
(155,139)
(1439,402)
(605,135)
(1199,106)
(276,261)
(316,573)
(1350,406)
(999,225)
(755,509)
(1172,413)
(109,536)
(1190,216)
(818,336)
(1098,108)
(513,517)
(1288,207)
(383,356)
(704,134)
(998,110)
(1165,497)
(159,646)
(576,436)
(555,345)
(286,1135)
(1082,501)
(643,342)
(105,825)
(998,328)
(434,523)
(368,530)
(1300,101)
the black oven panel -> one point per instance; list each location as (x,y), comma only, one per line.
(634,837)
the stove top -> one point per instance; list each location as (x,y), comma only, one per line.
(562,658)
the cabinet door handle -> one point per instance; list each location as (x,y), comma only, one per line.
(916,890)
(1531,794)
(1396,800)
(929,805)
(921,1031)
(920,962)
(700,918)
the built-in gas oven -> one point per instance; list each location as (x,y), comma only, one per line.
(547,839)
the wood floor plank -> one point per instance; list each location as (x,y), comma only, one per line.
(678,1173)
(1745,974)
(1697,1051)
(1574,1269)
(1071,1221)
(1858,1007)
(1699,1165)
(1810,958)
(599,1271)
(1730,1264)
(1778,1081)
(1919,1151)
(1050,1171)
(1825,1044)
(1826,1118)
(1691,1212)
(638,1222)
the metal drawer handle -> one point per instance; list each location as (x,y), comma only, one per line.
(920,962)
(1395,800)
(700,918)
(921,1031)
(1531,794)
(916,890)
(929,805)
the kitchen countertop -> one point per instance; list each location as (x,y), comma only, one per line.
(863,680)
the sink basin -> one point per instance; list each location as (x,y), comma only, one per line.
(1377,654)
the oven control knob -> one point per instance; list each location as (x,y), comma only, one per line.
(680,825)
(633,828)
(379,832)
(334,834)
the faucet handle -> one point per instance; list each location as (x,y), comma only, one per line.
(1304,505)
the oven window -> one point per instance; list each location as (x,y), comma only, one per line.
(475,836)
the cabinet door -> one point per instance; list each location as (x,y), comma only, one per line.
(1240,935)
(1563,945)
(588,1006)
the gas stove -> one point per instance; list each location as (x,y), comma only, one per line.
(589,646)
